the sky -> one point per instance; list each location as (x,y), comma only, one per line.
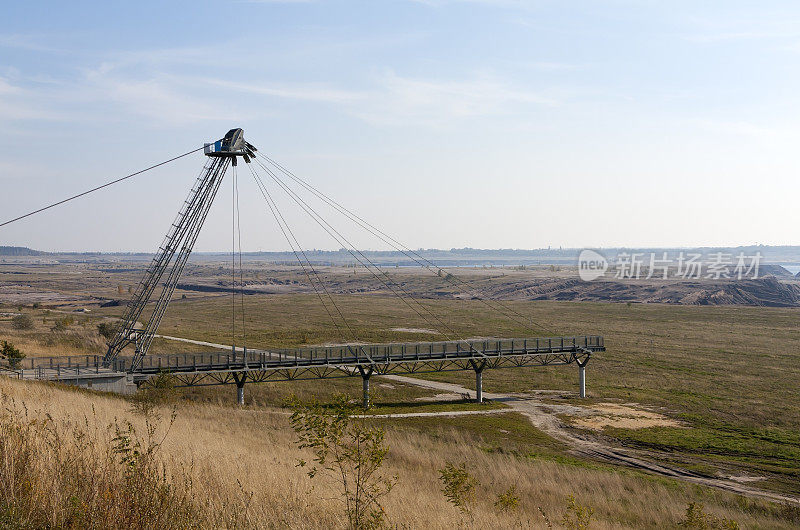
(446,123)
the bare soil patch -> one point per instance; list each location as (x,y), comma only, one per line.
(416,330)
(622,416)
(441,397)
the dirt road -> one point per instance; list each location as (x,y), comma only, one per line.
(544,417)
(200,342)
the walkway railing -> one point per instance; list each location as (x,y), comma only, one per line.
(352,354)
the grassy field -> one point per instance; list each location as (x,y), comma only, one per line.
(727,373)
(237,468)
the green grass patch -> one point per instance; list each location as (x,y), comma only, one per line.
(506,433)
(772,452)
(403,407)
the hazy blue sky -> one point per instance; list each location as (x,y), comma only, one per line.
(446,123)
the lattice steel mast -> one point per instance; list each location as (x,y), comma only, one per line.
(174,251)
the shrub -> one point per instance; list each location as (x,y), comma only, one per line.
(508,500)
(697,517)
(23,321)
(11,354)
(458,485)
(789,512)
(63,323)
(156,391)
(107,329)
(576,517)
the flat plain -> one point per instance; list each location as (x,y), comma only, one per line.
(710,389)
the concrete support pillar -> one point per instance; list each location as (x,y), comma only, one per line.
(365,380)
(365,375)
(582,377)
(240,379)
(478,367)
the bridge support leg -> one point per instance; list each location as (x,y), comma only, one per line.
(240,379)
(582,377)
(365,375)
(478,367)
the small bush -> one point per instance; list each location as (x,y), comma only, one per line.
(23,321)
(697,517)
(11,354)
(458,485)
(156,391)
(508,500)
(107,329)
(576,517)
(789,512)
(63,323)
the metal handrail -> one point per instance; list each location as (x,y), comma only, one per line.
(344,354)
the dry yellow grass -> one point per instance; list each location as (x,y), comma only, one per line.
(242,465)
(80,337)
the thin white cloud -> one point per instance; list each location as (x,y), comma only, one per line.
(492,3)
(744,128)
(301,91)
(164,100)
(7,88)
(436,102)
(395,99)
(730,29)
(27,42)
(150,83)
(19,102)
(276,1)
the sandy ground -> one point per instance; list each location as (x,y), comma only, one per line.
(416,330)
(623,416)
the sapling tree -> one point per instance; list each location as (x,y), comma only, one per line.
(350,450)
(458,485)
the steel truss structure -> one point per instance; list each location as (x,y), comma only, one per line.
(174,251)
(172,255)
(219,368)
(373,359)
(258,374)
(366,360)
